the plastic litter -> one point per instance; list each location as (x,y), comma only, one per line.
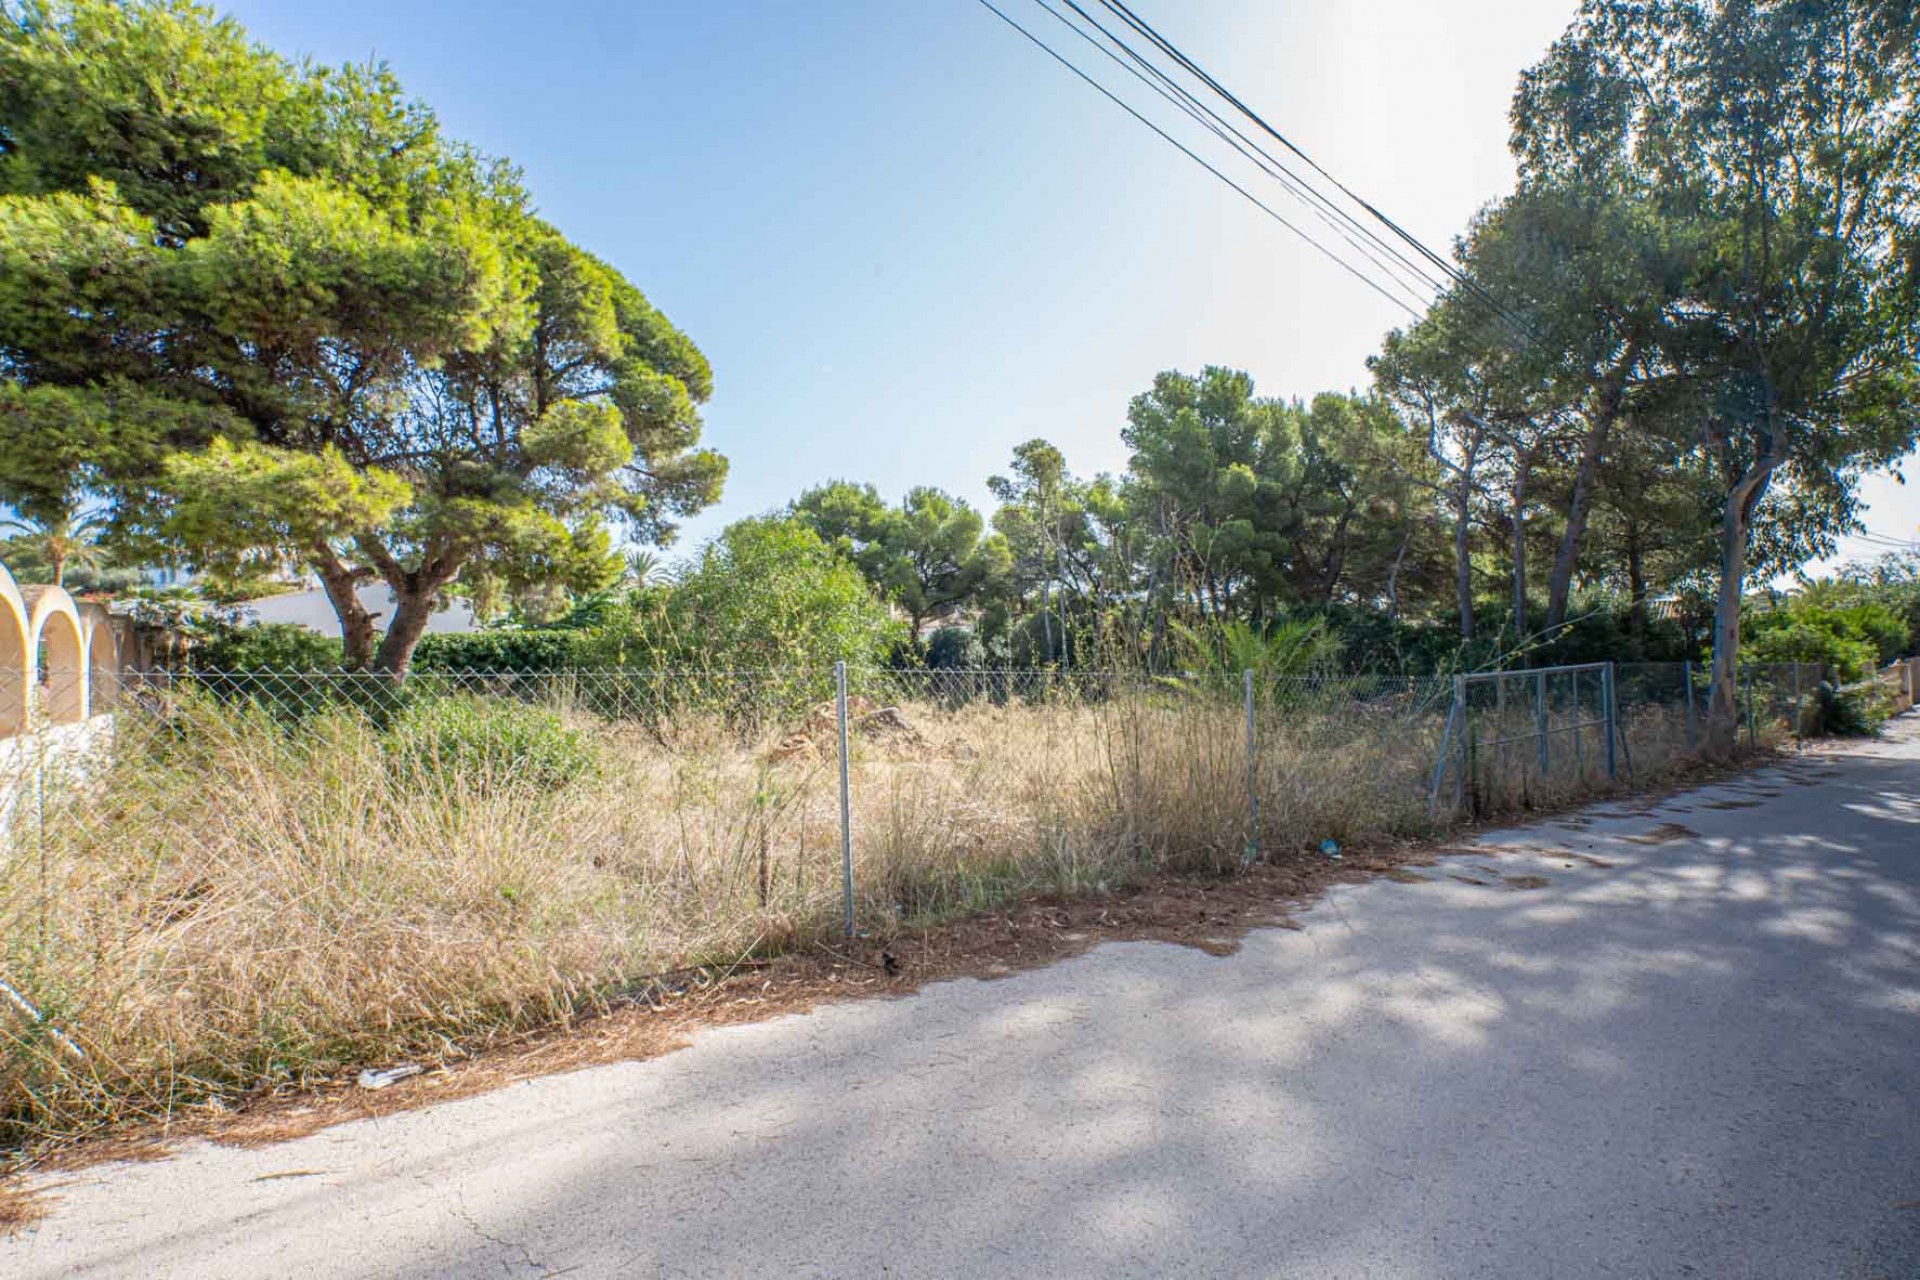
(1330,847)
(392,1075)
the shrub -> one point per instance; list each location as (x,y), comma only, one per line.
(1810,635)
(1855,713)
(765,594)
(955,649)
(268,646)
(496,740)
(507,651)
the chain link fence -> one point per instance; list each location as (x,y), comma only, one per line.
(1543,738)
(240,879)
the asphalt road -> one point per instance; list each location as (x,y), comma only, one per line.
(1700,1060)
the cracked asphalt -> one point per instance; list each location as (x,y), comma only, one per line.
(1691,1047)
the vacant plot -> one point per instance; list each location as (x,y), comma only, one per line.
(256,882)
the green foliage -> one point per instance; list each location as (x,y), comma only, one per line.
(489,741)
(1710,271)
(955,649)
(1258,504)
(765,593)
(928,554)
(56,543)
(1852,640)
(1294,647)
(1854,713)
(267,646)
(249,583)
(267,310)
(1891,585)
(182,619)
(236,504)
(500,651)
(1773,144)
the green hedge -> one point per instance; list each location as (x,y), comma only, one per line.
(509,651)
(268,646)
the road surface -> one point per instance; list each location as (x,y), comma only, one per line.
(1700,1060)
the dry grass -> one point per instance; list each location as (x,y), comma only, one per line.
(19,1206)
(222,901)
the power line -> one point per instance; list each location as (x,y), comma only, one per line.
(1225,132)
(1167,47)
(1342,222)
(1258,203)
(1884,540)
(1287,176)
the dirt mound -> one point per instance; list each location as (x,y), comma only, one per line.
(884,726)
(823,722)
(795,746)
(890,726)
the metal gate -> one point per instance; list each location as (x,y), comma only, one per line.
(1530,732)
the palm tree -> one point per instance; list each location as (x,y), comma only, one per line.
(643,566)
(1291,647)
(62,540)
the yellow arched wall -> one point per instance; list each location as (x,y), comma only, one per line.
(60,642)
(59,660)
(103,659)
(16,656)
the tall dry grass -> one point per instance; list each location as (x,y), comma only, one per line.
(221,896)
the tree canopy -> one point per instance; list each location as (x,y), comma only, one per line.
(1776,147)
(252,310)
(262,309)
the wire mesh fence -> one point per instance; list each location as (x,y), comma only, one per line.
(1541,738)
(235,878)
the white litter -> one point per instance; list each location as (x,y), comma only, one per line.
(392,1075)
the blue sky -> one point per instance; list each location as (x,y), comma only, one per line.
(908,241)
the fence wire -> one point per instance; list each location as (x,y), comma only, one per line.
(216,872)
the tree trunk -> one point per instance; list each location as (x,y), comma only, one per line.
(1585,477)
(1393,576)
(1579,504)
(1046,619)
(1463,552)
(415,592)
(1736,528)
(357,633)
(1636,590)
(410,617)
(1522,470)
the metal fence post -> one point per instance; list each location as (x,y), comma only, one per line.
(846,796)
(1693,729)
(1579,734)
(1797,717)
(1253,774)
(1609,710)
(1446,752)
(1753,733)
(1540,722)
(1466,734)
(1620,732)
(39,759)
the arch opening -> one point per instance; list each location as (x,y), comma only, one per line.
(103,664)
(63,669)
(13,669)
